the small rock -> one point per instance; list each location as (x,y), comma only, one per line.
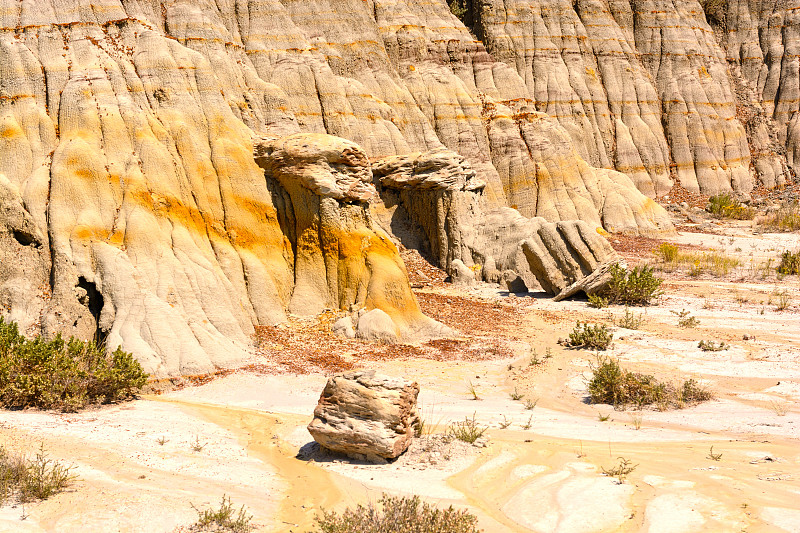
(461,274)
(376,325)
(344,327)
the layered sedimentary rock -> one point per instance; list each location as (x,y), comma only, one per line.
(640,85)
(437,205)
(321,186)
(366,415)
(133,210)
(762,42)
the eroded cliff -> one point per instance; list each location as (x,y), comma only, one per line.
(133,208)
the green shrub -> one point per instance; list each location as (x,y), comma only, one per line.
(632,287)
(28,480)
(685,319)
(597,301)
(692,392)
(398,515)
(726,206)
(712,346)
(668,253)
(459,9)
(468,431)
(223,519)
(630,320)
(611,384)
(790,263)
(64,375)
(787,218)
(594,337)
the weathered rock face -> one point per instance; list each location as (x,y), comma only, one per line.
(132,208)
(366,415)
(640,85)
(761,40)
(437,205)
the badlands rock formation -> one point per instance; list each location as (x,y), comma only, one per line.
(366,415)
(438,206)
(133,210)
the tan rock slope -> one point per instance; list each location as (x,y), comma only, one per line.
(133,209)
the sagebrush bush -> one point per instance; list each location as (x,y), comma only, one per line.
(611,384)
(790,263)
(468,431)
(398,515)
(223,519)
(632,287)
(726,206)
(712,346)
(26,480)
(63,375)
(597,301)
(593,337)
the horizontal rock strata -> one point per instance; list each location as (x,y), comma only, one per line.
(438,206)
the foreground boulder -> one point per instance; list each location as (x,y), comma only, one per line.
(366,415)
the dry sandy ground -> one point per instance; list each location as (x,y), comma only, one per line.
(142,465)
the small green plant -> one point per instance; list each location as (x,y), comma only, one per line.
(631,320)
(505,423)
(726,206)
(459,9)
(783,301)
(603,418)
(713,456)
(548,353)
(594,337)
(790,263)
(162,440)
(620,471)
(712,346)
(398,515)
(516,395)
(32,479)
(685,320)
(597,301)
(636,419)
(632,287)
(527,425)
(778,408)
(472,391)
(531,404)
(223,519)
(197,446)
(668,253)
(692,392)
(63,375)
(468,431)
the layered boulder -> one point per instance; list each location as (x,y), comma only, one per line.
(437,204)
(366,415)
(132,209)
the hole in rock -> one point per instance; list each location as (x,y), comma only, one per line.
(95,305)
